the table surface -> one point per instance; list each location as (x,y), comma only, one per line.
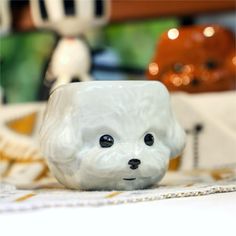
(207,215)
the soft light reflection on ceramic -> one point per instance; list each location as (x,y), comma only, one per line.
(79,114)
(234,60)
(153,68)
(173,34)
(209,31)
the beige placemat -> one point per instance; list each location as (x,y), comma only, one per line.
(51,194)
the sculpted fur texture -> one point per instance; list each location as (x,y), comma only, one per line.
(110,135)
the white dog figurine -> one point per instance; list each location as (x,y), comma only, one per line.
(116,135)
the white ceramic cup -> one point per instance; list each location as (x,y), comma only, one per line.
(110,135)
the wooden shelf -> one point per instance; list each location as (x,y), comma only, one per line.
(126,10)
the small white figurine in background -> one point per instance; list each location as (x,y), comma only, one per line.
(71,19)
(70,61)
(117,135)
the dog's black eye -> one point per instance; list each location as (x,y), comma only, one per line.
(106,141)
(211,64)
(178,67)
(149,139)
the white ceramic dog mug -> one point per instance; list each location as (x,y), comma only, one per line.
(116,135)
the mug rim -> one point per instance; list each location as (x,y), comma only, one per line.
(106,83)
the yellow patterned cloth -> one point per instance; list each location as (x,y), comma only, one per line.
(20,156)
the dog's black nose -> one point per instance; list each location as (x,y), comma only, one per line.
(196,81)
(134,163)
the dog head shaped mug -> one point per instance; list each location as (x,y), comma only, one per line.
(195,59)
(107,135)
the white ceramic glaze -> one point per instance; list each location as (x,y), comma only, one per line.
(78,114)
(82,15)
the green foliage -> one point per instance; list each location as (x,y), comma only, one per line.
(22,59)
(135,42)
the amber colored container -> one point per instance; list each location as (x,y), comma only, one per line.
(195,59)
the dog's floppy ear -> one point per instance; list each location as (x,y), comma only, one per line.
(57,135)
(175,138)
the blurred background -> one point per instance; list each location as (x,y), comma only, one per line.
(122,48)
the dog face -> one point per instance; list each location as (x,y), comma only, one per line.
(195,59)
(110,135)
